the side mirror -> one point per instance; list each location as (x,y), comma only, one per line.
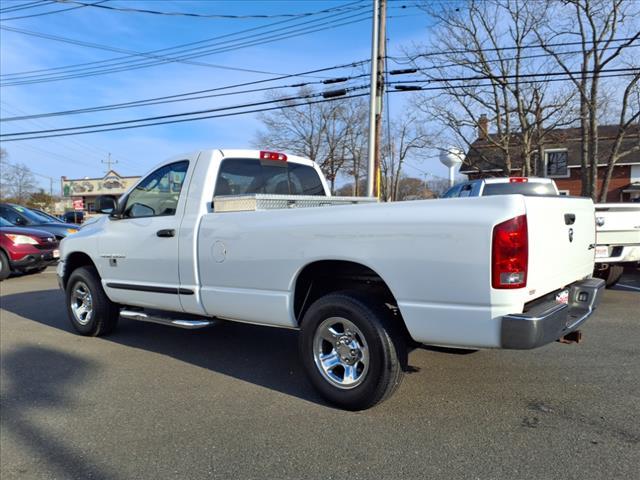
(106,204)
(20,221)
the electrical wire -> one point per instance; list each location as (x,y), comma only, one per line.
(266,109)
(517,76)
(175,115)
(190,95)
(50,12)
(203,15)
(167,49)
(190,53)
(398,85)
(26,6)
(157,100)
(412,58)
(206,114)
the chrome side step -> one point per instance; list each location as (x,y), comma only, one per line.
(172,322)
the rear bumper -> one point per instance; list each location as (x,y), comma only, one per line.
(621,254)
(548,321)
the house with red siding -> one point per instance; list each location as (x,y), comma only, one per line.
(559,158)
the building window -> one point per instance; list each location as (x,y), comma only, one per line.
(556,163)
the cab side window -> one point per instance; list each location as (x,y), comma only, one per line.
(158,194)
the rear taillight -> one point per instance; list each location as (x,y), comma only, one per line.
(510,254)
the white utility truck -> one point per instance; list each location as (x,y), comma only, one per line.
(254,236)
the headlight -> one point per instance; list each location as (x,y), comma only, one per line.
(71,230)
(21,239)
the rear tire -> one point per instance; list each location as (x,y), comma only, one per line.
(90,311)
(352,350)
(5,268)
(611,275)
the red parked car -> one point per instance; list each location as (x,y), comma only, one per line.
(25,249)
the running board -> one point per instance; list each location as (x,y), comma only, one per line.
(172,322)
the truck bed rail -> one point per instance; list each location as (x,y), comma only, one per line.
(262,201)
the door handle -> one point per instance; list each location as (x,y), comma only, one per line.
(167,232)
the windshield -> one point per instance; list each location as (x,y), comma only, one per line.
(13,213)
(33,217)
(523,188)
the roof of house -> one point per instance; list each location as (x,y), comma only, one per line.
(485,155)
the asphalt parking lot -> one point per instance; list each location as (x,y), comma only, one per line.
(232,402)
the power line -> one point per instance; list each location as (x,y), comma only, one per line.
(176,47)
(58,38)
(190,53)
(492,60)
(410,88)
(171,99)
(26,6)
(279,107)
(175,115)
(68,143)
(190,95)
(499,49)
(164,120)
(519,75)
(50,12)
(204,15)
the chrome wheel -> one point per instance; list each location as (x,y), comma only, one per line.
(340,352)
(81,303)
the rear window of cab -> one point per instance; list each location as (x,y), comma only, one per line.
(246,176)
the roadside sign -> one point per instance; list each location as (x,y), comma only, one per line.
(78,204)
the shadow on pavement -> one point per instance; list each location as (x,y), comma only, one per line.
(263,356)
(40,378)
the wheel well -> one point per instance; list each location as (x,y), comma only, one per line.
(73,261)
(320,278)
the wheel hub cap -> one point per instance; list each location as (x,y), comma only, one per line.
(340,353)
(81,303)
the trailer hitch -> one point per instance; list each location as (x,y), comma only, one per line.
(571,337)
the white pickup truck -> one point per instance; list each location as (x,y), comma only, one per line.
(617,239)
(255,237)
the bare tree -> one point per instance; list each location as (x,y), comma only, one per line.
(329,133)
(627,139)
(486,79)
(408,136)
(355,140)
(598,25)
(16,180)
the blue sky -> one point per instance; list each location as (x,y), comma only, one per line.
(137,150)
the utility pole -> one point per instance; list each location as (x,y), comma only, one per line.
(382,67)
(378,41)
(109,162)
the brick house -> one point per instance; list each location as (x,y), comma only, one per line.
(560,160)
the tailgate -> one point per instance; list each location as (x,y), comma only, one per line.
(618,224)
(561,242)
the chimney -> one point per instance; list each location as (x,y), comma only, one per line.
(483,127)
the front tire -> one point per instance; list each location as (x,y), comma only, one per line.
(5,268)
(90,311)
(352,350)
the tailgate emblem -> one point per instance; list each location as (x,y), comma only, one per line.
(570,235)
